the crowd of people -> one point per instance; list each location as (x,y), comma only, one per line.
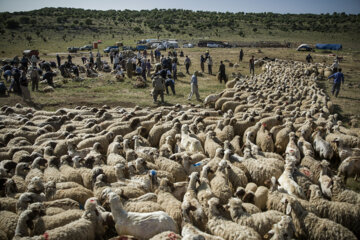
(20,72)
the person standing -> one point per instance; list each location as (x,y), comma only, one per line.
(152,56)
(241,55)
(69,59)
(112,53)
(34,60)
(143,68)
(35,77)
(202,63)
(91,56)
(83,59)
(24,87)
(338,79)
(148,67)
(24,63)
(222,74)
(174,69)
(187,63)
(129,68)
(210,63)
(158,83)
(170,83)
(58,59)
(116,60)
(309,58)
(194,87)
(252,65)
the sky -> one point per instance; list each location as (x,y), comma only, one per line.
(276,6)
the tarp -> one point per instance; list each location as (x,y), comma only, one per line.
(328,46)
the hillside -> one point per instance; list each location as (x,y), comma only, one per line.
(55,29)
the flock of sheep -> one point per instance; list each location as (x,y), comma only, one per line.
(266,160)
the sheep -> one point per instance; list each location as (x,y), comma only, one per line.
(171,134)
(287,182)
(282,138)
(292,148)
(264,139)
(349,167)
(79,194)
(68,173)
(21,171)
(175,168)
(260,197)
(324,179)
(322,147)
(211,144)
(340,194)
(156,132)
(113,156)
(220,183)
(309,226)
(190,232)
(168,202)
(283,230)
(104,141)
(189,143)
(45,223)
(261,222)
(343,213)
(8,222)
(220,226)
(168,235)
(139,225)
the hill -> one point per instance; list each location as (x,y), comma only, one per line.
(54,29)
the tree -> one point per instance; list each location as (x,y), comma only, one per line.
(12,24)
(24,20)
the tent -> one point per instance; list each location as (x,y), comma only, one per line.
(305,47)
(329,46)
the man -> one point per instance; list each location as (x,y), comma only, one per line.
(194,87)
(24,63)
(158,85)
(210,63)
(24,87)
(58,59)
(129,68)
(202,63)
(222,74)
(148,67)
(252,65)
(34,60)
(112,57)
(69,57)
(15,83)
(241,55)
(91,56)
(338,79)
(48,76)
(174,69)
(34,77)
(187,63)
(170,83)
(309,58)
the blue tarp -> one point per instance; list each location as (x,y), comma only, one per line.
(328,46)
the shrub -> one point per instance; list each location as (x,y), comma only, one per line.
(88,21)
(24,20)
(12,24)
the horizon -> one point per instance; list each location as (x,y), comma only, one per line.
(234,6)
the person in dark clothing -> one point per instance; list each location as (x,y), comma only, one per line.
(15,83)
(187,63)
(24,63)
(252,65)
(162,73)
(170,83)
(112,57)
(48,76)
(309,58)
(75,70)
(222,74)
(202,63)
(24,83)
(181,53)
(241,55)
(338,79)
(58,59)
(174,70)
(69,58)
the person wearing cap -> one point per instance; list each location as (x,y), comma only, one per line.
(194,87)
(169,82)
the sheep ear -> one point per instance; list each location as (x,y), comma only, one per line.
(288,209)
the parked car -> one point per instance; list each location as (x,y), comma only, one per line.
(86,47)
(141,47)
(73,49)
(214,45)
(304,47)
(188,45)
(161,47)
(108,49)
(29,53)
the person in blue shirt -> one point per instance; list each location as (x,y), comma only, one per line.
(194,87)
(338,79)
(169,82)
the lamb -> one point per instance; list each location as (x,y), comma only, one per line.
(224,228)
(349,167)
(261,222)
(139,225)
(220,183)
(343,213)
(309,226)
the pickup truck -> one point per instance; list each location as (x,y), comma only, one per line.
(86,47)
(108,49)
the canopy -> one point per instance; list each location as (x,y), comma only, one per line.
(304,46)
(329,46)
